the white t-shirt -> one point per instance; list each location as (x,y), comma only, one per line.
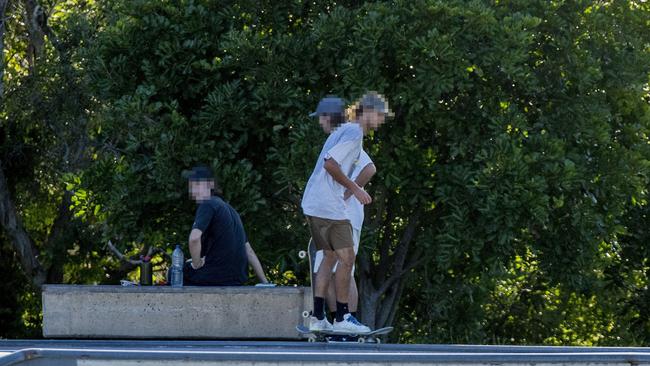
(323,195)
(353,206)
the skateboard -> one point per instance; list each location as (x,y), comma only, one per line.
(332,336)
(311,253)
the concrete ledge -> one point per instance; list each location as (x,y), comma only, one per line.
(73,311)
(145,353)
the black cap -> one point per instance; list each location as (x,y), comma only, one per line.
(199,173)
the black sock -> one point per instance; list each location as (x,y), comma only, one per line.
(353,313)
(318,307)
(333,315)
(341,309)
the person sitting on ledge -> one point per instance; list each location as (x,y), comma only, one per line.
(219,248)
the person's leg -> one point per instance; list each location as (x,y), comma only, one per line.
(340,235)
(319,228)
(345,258)
(331,297)
(353,297)
(324,274)
(317,260)
(322,279)
(353,301)
(344,249)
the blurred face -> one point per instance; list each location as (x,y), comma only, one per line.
(372,120)
(324,122)
(200,190)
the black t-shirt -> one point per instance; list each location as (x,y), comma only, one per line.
(222,244)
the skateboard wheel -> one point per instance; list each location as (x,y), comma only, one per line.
(302,254)
(378,340)
(361,340)
(305,314)
(311,339)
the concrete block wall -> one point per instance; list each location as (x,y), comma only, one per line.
(73,311)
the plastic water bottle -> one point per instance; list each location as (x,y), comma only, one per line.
(177,267)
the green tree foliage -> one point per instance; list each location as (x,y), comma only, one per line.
(510,204)
(45,105)
(534,172)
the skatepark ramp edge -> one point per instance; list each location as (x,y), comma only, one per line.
(146,353)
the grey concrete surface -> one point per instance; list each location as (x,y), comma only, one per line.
(119,352)
(72,311)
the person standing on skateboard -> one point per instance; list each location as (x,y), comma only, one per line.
(364,170)
(324,206)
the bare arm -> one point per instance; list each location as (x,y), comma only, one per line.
(363,178)
(254,262)
(195,248)
(333,168)
(366,175)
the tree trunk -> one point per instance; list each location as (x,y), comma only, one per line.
(36,22)
(56,241)
(9,218)
(380,289)
(3,16)
(34,16)
(16,233)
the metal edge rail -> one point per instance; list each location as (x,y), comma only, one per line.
(329,356)
(15,345)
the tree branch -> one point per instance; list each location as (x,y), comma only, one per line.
(380,204)
(405,242)
(121,256)
(151,250)
(394,306)
(396,276)
(386,304)
(56,240)
(363,260)
(382,267)
(3,9)
(400,255)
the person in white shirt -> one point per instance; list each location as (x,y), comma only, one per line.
(364,170)
(324,205)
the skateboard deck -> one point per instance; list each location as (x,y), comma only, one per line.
(329,336)
(311,255)
(326,335)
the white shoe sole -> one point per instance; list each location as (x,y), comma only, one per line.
(319,329)
(349,330)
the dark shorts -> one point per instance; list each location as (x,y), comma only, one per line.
(330,234)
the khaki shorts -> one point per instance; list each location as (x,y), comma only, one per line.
(356,237)
(330,234)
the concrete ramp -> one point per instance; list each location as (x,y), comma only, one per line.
(144,353)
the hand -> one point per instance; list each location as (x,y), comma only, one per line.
(362,196)
(201,263)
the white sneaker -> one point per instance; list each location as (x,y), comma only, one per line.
(350,324)
(319,325)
